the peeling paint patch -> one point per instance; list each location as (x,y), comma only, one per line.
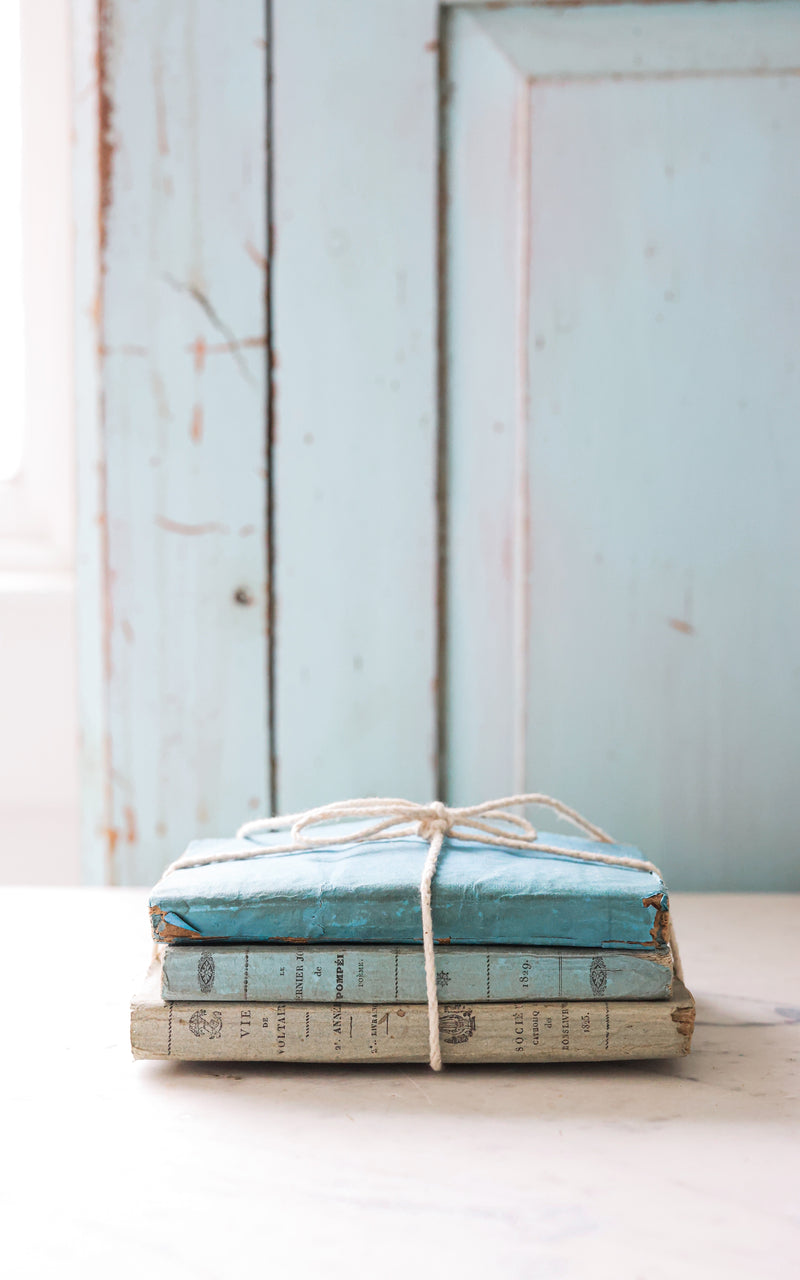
(680,624)
(190,530)
(198,350)
(161,110)
(130,825)
(232,343)
(106,140)
(196,429)
(228,348)
(254,254)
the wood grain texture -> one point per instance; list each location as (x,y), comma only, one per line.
(619,420)
(663,281)
(484,185)
(182,241)
(354,308)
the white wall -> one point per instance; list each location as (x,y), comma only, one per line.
(38,733)
(38,670)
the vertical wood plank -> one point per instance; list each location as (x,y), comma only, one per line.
(485,129)
(182,244)
(354,311)
(90,488)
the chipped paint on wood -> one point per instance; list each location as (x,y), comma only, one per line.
(680,624)
(190,530)
(92,180)
(196,428)
(106,139)
(182,422)
(129,817)
(178,316)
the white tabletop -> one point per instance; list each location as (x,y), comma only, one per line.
(120,1169)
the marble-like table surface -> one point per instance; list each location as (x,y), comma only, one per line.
(632,1172)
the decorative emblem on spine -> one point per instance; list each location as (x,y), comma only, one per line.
(205,972)
(200,1025)
(598,975)
(456,1025)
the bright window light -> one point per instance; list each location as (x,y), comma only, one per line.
(12,342)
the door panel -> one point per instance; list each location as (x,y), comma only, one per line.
(512,492)
(623,528)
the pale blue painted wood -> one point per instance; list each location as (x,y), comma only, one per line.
(688,753)
(354,313)
(183,331)
(482,157)
(662,450)
(754,36)
(90,507)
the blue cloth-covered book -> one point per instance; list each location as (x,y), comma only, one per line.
(368,892)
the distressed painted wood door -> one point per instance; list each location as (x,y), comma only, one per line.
(437,401)
(171,252)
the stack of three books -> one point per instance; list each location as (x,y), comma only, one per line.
(316,956)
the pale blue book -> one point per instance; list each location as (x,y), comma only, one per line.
(396,975)
(369,893)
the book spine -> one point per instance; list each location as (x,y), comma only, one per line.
(396,975)
(567,1031)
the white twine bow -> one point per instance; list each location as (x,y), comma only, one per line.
(488,823)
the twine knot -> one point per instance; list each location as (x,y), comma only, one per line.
(433,820)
